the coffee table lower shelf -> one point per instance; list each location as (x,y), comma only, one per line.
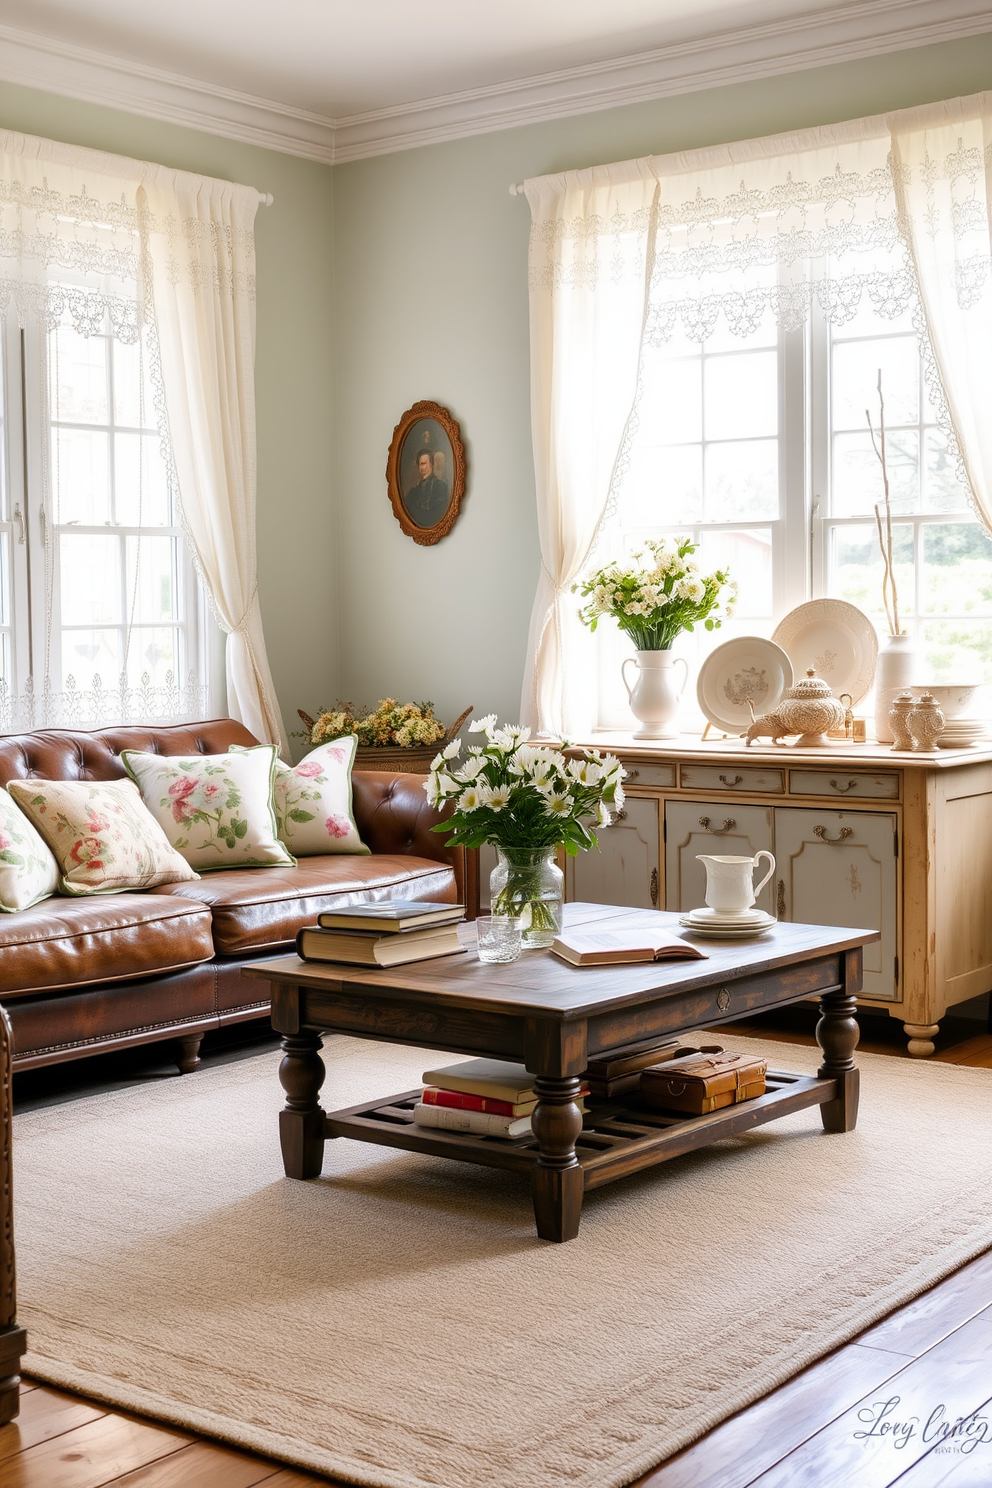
(618,1137)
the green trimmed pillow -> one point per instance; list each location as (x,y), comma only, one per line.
(313,801)
(28,871)
(104,839)
(215,809)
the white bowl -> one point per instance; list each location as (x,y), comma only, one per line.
(953,698)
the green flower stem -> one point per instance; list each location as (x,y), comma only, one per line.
(522,892)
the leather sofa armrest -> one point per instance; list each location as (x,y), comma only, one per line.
(12,1338)
(392,816)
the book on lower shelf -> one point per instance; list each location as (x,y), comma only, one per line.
(495,1078)
(460,1100)
(619,947)
(478,1123)
(391,916)
(360,948)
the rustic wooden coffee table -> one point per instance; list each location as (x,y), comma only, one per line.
(553,1018)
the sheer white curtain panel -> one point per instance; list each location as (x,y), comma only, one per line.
(588,283)
(942,173)
(891,211)
(198,235)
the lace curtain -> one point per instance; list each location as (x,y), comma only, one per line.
(166,261)
(893,208)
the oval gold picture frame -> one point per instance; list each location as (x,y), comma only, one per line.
(425,472)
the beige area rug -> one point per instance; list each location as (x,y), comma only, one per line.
(397,1323)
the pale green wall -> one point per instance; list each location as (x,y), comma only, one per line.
(296,537)
(431,302)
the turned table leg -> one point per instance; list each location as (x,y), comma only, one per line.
(301,1122)
(921,1038)
(837,1034)
(556,1181)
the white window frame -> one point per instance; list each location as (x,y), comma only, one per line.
(28,531)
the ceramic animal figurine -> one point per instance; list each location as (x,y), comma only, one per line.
(768,726)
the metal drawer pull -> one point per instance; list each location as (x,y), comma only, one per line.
(654,887)
(728,825)
(842,835)
(632,774)
(620,815)
(19,519)
(781,899)
(843,788)
(736,780)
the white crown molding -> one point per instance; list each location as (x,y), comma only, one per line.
(865,28)
(94,77)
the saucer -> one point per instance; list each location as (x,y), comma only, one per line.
(742,919)
(714,931)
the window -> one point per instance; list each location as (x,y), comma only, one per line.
(97,591)
(758,447)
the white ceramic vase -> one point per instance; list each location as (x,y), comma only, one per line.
(654,697)
(898,663)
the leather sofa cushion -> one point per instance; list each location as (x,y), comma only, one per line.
(263,908)
(70,943)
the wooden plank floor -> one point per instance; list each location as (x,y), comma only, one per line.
(909,1402)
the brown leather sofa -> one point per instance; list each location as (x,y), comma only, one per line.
(82,975)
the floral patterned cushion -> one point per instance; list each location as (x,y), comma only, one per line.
(28,871)
(102,835)
(313,801)
(216,809)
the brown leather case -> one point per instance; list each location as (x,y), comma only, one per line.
(701,1083)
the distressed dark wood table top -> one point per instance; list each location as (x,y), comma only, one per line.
(538,983)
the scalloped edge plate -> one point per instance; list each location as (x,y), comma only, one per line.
(836,639)
(748,666)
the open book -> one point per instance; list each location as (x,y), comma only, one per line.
(613,947)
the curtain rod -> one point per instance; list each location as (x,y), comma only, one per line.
(516,188)
(265,198)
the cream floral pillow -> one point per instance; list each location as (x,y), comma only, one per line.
(313,801)
(28,872)
(102,835)
(216,809)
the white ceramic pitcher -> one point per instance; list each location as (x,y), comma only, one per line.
(730,886)
(655,697)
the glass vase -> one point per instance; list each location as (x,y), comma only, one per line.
(527,886)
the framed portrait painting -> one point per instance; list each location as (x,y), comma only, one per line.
(425,472)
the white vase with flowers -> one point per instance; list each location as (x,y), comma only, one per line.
(663,594)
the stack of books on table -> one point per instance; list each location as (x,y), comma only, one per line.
(389,933)
(486,1097)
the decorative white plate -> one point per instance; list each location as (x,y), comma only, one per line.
(748,667)
(834,638)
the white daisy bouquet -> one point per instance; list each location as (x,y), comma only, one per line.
(522,798)
(664,595)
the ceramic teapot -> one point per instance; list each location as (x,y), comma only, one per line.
(810,709)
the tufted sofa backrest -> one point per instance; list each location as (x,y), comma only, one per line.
(65,754)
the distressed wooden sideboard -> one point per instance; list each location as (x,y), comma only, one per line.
(862,837)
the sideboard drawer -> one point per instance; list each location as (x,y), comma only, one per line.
(732,777)
(841,782)
(639,774)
